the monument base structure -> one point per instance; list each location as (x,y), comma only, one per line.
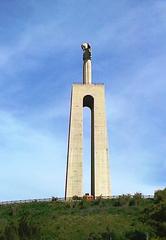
(92,96)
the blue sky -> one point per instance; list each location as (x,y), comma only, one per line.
(40,58)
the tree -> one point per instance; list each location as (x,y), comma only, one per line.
(160,196)
(137,198)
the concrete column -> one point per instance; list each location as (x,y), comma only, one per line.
(87,69)
(87,72)
(92,96)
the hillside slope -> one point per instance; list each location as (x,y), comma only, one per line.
(125,217)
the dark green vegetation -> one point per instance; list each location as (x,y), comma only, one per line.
(126,217)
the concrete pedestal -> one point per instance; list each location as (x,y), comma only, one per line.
(92,96)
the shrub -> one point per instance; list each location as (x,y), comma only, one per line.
(54,199)
(136,235)
(10,232)
(160,196)
(137,198)
(27,230)
(75,197)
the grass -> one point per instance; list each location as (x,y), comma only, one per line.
(100,219)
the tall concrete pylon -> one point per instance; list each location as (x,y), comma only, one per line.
(92,96)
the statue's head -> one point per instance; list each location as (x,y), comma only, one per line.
(85,46)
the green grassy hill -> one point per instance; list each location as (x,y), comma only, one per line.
(125,217)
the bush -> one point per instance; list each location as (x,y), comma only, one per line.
(160,196)
(54,199)
(136,235)
(27,230)
(137,198)
(10,232)
(75,197)
(123,200)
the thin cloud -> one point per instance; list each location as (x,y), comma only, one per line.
(40,59)
(29,159)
